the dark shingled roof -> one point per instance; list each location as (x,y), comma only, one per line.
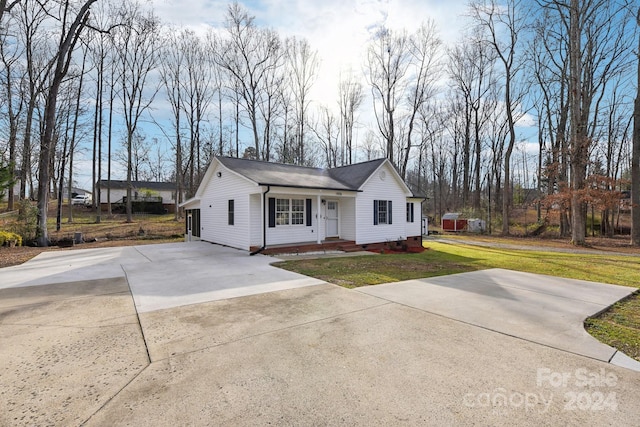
(149,185)
(349,178)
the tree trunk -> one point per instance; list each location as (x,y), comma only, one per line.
(578,137)
(129,172)
(635,160)
(63,58)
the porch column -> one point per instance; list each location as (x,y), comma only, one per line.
(318,216)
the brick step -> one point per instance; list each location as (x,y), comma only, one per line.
(308,247)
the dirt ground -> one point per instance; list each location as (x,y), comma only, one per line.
(112,231)
(19,255)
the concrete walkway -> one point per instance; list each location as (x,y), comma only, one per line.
(196,334)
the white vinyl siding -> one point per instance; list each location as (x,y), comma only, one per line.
(388,189)
(414,228)
(347,212)
(283,234)
(117,194)
(255,215)
(214,209)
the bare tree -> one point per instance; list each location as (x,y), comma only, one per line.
(171,72)
(387,64)
(72,27)
(198,93)
(550,68)
(498,19)
(303,64)
(470,69)
(31,20)
(327,130)
(351,96)
(271,103)
(100,46)
(247,56)
(635,156)
(71,140)
(10,54)
(140,159)
(6,6)
(136,42)
(590,71)
(424,51)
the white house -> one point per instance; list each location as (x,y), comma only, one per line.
(254,205)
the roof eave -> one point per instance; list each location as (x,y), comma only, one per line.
(308,187)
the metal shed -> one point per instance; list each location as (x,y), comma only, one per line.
(452,222)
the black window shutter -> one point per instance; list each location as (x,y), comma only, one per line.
(389,212)
(375,212)
(412,212)
(231,212)
(308,208)
(272,212)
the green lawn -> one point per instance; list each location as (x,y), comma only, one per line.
(618,327)
(444,258)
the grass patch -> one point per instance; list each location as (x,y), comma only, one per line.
(445,258)
(352,272)
(115,227)
(619,326)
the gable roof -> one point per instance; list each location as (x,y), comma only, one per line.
(149,185)
(349,178)
(356,175)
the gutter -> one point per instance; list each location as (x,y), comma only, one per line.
(310,187)
(264,223)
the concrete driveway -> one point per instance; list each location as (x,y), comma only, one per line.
(161,276)
(181,351)
(543,309)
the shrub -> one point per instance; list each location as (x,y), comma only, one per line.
(6,237)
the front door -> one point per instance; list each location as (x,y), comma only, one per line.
(332,218)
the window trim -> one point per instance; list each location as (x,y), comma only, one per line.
(410,212)
(231,212)
(301,212)
(388,212)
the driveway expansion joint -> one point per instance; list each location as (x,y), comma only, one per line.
(290,327)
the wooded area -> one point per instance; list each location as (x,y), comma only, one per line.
(86,75)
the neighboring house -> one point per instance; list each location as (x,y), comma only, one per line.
(75,191)
(118,190)
(251,205)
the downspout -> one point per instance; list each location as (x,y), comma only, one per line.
(264,223)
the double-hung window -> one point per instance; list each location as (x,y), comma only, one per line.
(231,212)
(289,212)
(282,211)
(297,211)
(410,214)
(382,212)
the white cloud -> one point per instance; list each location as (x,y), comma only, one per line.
(338,29)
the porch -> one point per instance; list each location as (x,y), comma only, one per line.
(339,245)
(302,247)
